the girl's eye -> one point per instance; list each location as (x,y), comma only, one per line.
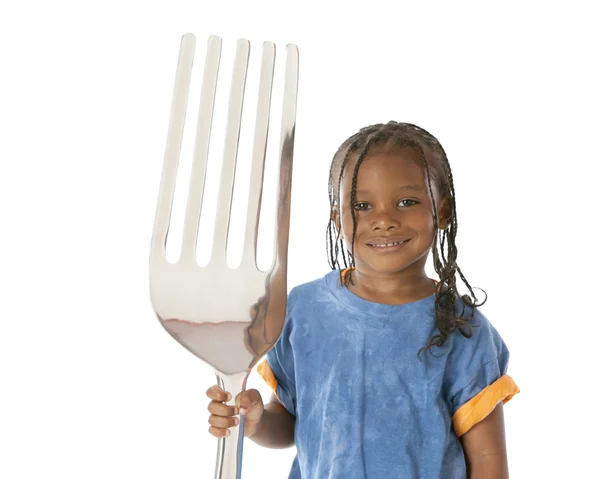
(411,202)
(361,206)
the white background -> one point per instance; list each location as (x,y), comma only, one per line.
(90,384)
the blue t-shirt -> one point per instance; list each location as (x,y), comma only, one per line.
(365,405)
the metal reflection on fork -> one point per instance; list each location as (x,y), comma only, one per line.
(229,318)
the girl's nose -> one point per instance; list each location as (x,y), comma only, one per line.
(384,219)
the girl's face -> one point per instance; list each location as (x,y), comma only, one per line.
(394,213)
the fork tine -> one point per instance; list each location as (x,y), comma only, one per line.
(201,147)
(173,148)
(288,131)
(232,135)
(258,158)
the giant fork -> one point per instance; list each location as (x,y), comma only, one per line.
(229,318)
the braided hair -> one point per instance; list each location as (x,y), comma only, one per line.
(394,135)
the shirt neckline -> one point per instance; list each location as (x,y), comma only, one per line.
(351,300)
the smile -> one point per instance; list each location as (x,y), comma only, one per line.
(387,245)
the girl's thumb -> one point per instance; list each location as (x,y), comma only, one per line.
(250,404)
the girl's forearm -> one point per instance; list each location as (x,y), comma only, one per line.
(492,466)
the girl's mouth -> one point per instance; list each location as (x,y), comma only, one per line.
(387,247)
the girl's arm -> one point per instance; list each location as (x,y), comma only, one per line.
(485,447)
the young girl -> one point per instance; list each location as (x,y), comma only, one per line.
(380,371)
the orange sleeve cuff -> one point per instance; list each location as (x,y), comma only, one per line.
(265,372)
(479,407)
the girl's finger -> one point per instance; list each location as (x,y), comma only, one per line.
(223,422)
(217,394)
(220,409)
(218,432)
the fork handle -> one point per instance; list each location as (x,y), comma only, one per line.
(230,449)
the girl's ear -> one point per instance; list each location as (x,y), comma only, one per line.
(444,214)
(335,216)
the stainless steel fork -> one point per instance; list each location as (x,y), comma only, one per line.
(229,318)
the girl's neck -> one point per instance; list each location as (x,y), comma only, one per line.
(391,288)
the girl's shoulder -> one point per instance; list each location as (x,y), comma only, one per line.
(481,340)
(313,288)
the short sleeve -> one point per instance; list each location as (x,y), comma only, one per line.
(277,370)
(477,380)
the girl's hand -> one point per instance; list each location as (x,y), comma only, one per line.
(222,416)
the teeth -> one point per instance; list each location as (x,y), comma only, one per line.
(388,244)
